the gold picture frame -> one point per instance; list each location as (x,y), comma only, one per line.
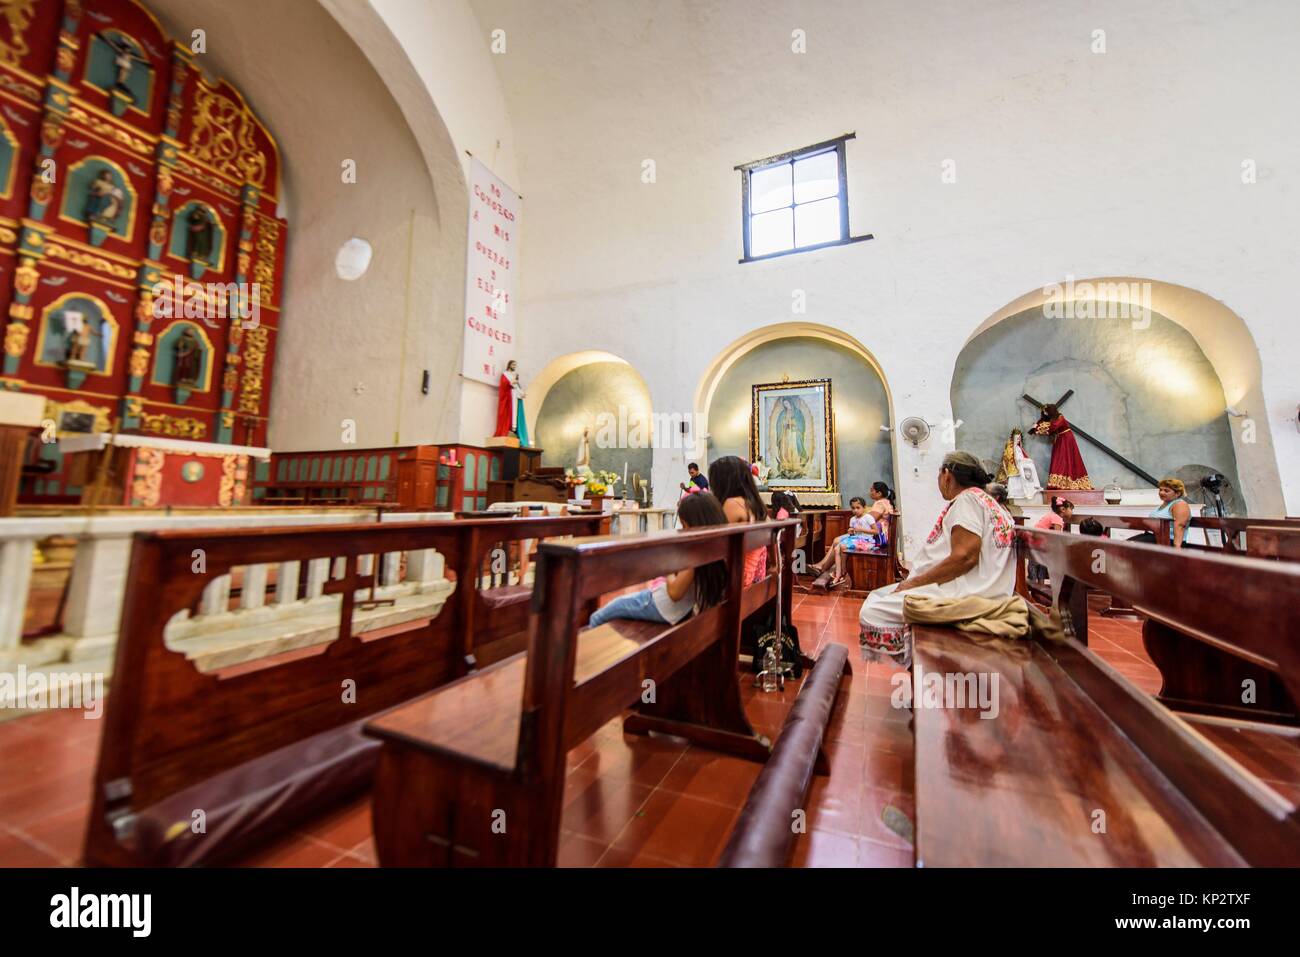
(792,429)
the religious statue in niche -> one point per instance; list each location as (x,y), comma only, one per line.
(187,359)
(1067,471)
(200,231)
(584,452)
(79,333)
(510,405)
(104,201)
(1017,470)
(125,59)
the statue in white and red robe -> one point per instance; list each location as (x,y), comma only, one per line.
(510,405)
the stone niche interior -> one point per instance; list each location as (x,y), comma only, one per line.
(859,404)
(1149,393)
(580,398)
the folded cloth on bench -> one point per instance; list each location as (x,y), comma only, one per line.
(999,617)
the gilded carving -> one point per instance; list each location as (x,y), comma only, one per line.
(8,235)
(108,267)
(18,15)
(268,237)
(19,311)
(144,308)
(16,339)
(65,60)
(174,426)
(232,490)
(165,182)
(41,191)
(230,381)
(250,396)
(206,178)
(110,131)
(146,485)
(139,363)
(52,132)
(20,89)
(26,277)
(133,407)
(223,136)
(142,338)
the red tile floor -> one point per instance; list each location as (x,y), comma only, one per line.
(630,801)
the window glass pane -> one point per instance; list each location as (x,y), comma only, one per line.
(771,232)
(817,222)
(816,177)
(769,188)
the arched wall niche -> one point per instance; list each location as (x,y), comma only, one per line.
(802,350)
(605,394)
(1222,337)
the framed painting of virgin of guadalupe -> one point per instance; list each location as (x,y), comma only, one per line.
(792,431)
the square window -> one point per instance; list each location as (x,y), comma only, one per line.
(796,201)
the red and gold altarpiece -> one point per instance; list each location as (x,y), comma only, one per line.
(127,175)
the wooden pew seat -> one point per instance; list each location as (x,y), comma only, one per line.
(1023,788)
(477,717)
(249,803)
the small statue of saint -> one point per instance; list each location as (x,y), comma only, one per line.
(186,359)
(584,451)
(104,200)
(199,234)
(77,331)
(1017,470)
(125,59)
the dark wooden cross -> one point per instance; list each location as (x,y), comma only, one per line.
(1101,445)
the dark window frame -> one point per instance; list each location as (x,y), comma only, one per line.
(791,156)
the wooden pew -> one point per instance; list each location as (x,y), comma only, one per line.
(1197,676)
(472,774)
(868,571)
(1075,749)
(260,746)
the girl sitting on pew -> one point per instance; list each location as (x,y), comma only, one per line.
(868,531)
(669,600)
(733,483)
(782,506)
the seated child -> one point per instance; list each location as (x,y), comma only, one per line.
(782,506)
(669,600)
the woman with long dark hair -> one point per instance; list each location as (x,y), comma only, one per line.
(732,482)
(669,600)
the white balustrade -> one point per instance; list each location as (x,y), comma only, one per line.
(97,583)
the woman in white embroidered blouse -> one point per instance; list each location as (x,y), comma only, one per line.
(968,552)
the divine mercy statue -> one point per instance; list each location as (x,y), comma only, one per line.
(1067,471)
(1017,470)
(510,405)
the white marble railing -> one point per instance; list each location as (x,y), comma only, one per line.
(97,585)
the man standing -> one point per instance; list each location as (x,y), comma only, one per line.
(698,479)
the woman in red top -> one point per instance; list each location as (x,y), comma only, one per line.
(1067,470)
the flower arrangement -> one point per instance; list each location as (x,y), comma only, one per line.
(602,483)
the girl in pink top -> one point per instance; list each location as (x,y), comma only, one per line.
(1061,515)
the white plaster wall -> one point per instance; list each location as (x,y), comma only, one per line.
(1067,162)
(449,51)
